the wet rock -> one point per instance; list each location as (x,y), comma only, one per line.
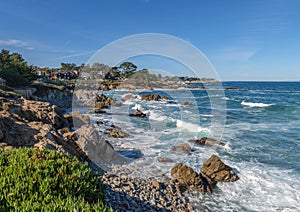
(128,96)
(183,148)
(151,97)
(215,169)
(116,133)
(138,113)
(230,89)
(103,101)
(165,98)
(99,122)
(187,104)
(184,175)
(164,160)
(190,179)
(207,141)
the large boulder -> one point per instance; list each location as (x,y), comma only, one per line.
(207,141)
(151,97)
(187,177)
(96,148)
(183,148)
(215,169)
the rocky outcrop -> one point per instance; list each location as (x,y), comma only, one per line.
(151,97)
(183,148)
(190,179)
(207,141)
(27,123)
(214,169)
(96,148)
(77,119)
(138,113)
(60,98)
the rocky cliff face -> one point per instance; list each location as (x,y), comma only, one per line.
(62,99)
(29,123)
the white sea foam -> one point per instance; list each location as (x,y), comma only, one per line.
(157,116)
(189,126)
(137,107)
(252,104)
(225,98)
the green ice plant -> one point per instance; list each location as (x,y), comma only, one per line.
(43,180)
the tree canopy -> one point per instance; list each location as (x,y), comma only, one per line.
(14,69)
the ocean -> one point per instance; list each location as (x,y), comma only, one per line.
(259,123)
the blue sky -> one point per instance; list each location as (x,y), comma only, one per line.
(243,39)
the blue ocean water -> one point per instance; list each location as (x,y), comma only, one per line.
(259,123)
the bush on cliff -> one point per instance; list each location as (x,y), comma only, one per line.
(35,180)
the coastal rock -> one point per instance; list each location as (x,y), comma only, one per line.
(164,160)
(187,177)
(96,148)
(116,132)
(165,98)
(128,96)
(183,148)
(187,104)
(138,113)
(77,119)
(184,175)
(104,99)
(213,168)
(207,141)
(151,97)
(230,89)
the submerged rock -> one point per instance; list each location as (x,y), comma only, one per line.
(207,141)
(183,148)
(213,168)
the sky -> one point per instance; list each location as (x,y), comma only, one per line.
(252,40)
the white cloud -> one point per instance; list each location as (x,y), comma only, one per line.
(16,44)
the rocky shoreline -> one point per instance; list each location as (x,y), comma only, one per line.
(29,123)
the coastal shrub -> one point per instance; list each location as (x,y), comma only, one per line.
(43,180)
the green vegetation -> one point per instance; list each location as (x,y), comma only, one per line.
(44,85)
(15,70)
(36,180)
